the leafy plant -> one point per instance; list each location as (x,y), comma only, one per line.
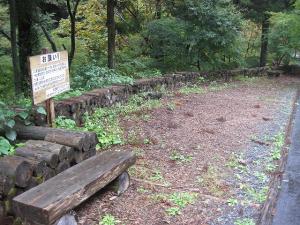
(157,176)
(176,156)
(232,202)
(182,199)
(173,211)
(8,119)
(5,146)
(191,90)
(278,143)
(63,122)
(93,76)
(258,196)
(108,219)
(246,221)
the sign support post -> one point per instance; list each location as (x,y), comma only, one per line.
(49,103)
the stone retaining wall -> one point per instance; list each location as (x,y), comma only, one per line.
(75,107)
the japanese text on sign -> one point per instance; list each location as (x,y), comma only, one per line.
(50,75)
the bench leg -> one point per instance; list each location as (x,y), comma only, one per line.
(68,219)
(121,184)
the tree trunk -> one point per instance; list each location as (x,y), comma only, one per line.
(158,9)
(14,48)
(27,37)
(111,26)
(72,14)
(264,41)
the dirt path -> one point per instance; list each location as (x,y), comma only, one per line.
(202,158)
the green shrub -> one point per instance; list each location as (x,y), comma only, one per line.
(93,76)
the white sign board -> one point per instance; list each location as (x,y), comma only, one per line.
(49,75)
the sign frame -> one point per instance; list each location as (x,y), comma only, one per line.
(50,77)
(44,62)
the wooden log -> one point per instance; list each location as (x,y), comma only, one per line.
(93,139)
(17,169)
(34,181)
(58,149)
(70,154)
(31,132)
(6,184)
(48,174)
(79,156)
(48,202)
(89,154)
(76,140)
(39,154)
(38,166)
(62,166)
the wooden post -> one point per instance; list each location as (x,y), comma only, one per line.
(49,103)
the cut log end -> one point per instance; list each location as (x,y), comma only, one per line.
(16,168)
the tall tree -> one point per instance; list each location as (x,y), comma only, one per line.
(259,11)
(111,28)
(28,37)
(72,10)
(14,47)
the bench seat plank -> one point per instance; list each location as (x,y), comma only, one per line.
(46,203)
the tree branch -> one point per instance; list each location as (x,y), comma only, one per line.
(2,32)
(49,38)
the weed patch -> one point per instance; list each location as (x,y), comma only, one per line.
(191,90)
(178,157)
(108,219)
(246,221)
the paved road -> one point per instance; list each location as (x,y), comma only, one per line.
(288,206)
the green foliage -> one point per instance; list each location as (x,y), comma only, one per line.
(182,199)
(173,211)
(63,122)
(284,35)
(108,219)
(232,202)
(259,196)
(106,125)
(200,35)
(246,221)
(93,76)
(69,94)
(278,143)
(176,156)
(105,121)
(191,90)
(5,146)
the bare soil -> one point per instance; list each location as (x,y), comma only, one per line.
(187,146)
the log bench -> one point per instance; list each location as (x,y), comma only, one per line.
(47,203)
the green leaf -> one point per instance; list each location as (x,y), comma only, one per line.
(27,122)
(10,123)
(41,110)
(24,115)
(11,135)
(4,146)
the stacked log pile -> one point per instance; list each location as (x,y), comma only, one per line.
(46,153)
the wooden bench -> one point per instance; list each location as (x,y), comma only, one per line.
(50,201)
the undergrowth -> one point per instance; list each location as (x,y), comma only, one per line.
(106,121)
